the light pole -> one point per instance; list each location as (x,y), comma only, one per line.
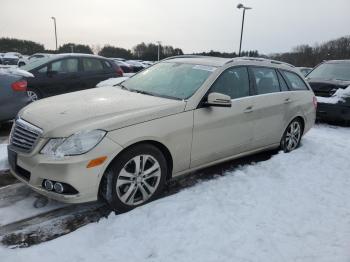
(159,42)
(240,6)
(54,22)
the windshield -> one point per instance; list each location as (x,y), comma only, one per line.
(330,71)
(36,63)
(172,80)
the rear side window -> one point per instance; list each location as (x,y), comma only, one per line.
(296,83)
(107,64)
(233,82)
(266,80)
(92,65)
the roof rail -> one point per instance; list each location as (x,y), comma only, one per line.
(259,59)
(185,56)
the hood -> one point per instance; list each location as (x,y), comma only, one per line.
(106,108)
(326,88)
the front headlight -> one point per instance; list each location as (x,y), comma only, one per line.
(77,144)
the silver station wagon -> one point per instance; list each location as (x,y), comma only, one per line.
(122,143)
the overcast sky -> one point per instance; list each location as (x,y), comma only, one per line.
(193,25)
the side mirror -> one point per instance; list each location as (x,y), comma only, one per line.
(218,99)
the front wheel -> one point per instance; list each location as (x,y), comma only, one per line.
(292,136)
(136,177)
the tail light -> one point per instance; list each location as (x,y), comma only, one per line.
(19,86)
(119,71)
(314,101)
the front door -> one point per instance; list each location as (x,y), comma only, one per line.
(221,132)
(63,76)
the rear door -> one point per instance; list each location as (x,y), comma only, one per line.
(96,70)
(270,105)
(221,132)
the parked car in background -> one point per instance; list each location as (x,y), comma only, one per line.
(13,94)
(330,81)
(305,70)
(66,73)
(124,66)
(37,56)
(11,58)
(136,66)
(123,143)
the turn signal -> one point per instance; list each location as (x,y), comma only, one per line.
(96,162)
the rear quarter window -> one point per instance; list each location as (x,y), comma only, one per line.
(295,81)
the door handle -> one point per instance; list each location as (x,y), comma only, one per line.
(287,100)
(249,109)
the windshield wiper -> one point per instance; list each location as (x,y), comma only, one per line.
(142,92)
(122,86)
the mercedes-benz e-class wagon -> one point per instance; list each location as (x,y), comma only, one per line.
(122,143)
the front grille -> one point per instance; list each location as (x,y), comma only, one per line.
(24,136)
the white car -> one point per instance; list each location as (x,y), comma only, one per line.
(122,143)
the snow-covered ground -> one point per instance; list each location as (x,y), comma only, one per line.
(293,207)
(3,157)
(339,96)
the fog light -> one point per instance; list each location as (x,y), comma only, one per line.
(58,188)
(48,185)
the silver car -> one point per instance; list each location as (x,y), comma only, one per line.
(122,143)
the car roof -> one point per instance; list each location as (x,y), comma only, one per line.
(220,62)
(80,55)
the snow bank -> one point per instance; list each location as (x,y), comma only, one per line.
(293,207)
(3,157)
(338,96)
(111,81)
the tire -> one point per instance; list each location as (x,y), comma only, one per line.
(292,136)
(124,187)
(34,95)
(21,64)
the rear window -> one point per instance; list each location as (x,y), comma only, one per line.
(295,81)
(92,65)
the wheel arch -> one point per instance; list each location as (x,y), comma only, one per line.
(164,149)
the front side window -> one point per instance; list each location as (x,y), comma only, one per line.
(295,81)
(69,65)
(331,71)
(266,80)
(92,65)
(233,82)
(170,79)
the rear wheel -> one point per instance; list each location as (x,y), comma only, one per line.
(136,177)
(34,95)
(292,136)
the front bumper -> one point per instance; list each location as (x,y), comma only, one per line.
(33,168)
(333,112)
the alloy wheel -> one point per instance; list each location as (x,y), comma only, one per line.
(293,135)
(138,180)
(32,95)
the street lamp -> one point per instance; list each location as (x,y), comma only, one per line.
(240,6)
(54,22)
(159,43)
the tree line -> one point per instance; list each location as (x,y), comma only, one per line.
(310,56)
(303,55)
(141,51)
